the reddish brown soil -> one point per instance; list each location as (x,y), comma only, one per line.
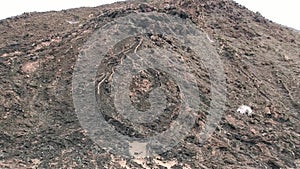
(39,127)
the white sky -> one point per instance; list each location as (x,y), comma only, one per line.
(285,12)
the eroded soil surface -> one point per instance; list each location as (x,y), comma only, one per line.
(39,127)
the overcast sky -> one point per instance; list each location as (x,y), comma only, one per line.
(285,12)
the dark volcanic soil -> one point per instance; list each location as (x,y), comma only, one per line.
(39,127)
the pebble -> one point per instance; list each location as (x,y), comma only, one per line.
(243,109)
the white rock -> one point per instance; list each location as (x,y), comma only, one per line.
(72,22)
(244,110)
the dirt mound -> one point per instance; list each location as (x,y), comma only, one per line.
(40,129)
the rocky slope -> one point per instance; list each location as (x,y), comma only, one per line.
(39,127)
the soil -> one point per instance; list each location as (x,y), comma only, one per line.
(40,129)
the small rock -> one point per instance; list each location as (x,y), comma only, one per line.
(30,67)
(154,37)
(287,58)
(244,110)
(72,22)
(167,6)
(253,131)
(267,110)
(297,162)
